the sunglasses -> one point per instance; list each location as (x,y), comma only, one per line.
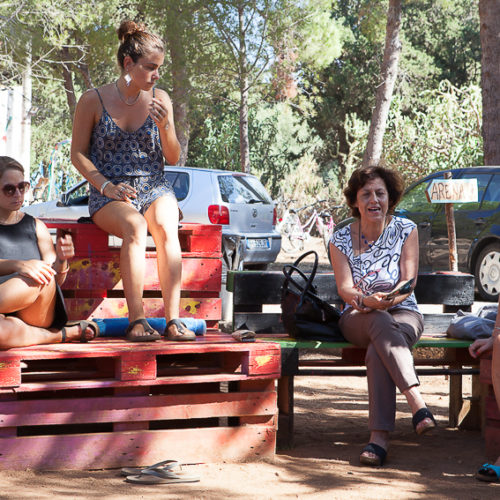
(10,189)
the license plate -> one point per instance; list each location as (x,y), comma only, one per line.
(258,243)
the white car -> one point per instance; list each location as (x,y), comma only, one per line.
(236,201)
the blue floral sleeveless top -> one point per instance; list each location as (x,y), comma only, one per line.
(115,152)
(377,269)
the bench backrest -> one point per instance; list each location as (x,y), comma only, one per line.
(256,295)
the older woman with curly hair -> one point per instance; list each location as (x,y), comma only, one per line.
(374,255)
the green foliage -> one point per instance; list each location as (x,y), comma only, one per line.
(279,141)
(333,51)
(446,135)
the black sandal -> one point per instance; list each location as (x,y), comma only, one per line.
(83,324)
(152,333)
(421,415)
(183,334)
(379,453)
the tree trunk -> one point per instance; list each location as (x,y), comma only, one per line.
(68,81)
(389,72)
(181,87)
(489,15)
(243,74)
(84,71)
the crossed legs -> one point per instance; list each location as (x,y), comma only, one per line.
(388,338)
(33,306)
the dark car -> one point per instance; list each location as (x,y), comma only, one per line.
(477,226)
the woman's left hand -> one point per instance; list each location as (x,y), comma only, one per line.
(64,247)
(159,113)
(358,303)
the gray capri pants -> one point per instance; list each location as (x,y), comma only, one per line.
(388,337)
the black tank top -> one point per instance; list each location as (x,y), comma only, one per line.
(19,241)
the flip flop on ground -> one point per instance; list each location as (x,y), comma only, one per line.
(165,464)
(162,476)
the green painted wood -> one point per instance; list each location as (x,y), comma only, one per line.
(316,344)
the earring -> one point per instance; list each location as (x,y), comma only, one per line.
(127,79)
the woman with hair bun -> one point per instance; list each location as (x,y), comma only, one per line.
(122,134)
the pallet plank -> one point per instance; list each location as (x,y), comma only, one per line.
(136,408)
(139,448)
(102,272)
(208,308)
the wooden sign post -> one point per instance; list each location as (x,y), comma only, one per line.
(449,191)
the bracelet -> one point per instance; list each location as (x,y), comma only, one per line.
(65,270)
(362,302)
(103,186)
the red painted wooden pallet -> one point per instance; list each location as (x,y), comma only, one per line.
(111,403)
(93,287)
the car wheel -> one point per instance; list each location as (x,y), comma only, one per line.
(487,272)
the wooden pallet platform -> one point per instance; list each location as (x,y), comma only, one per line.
(111,403)
(93,286)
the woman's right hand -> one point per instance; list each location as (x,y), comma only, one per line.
(120,192)
(37,270)
(377,300)
(480,346)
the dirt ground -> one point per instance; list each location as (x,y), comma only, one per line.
(331,429)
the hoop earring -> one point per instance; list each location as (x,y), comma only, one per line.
(127,79)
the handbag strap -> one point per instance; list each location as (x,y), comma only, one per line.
(289,269)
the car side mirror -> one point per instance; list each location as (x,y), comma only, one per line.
(63,202)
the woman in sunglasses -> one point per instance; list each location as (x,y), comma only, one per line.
(375,261)
(32,310)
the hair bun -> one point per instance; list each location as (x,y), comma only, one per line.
(129,28)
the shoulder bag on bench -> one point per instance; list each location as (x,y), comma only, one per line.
(304,314)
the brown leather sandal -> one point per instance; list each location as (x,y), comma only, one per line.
(83,324)
(152,333)
(183,333)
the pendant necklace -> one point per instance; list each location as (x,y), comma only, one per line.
(123,98)
(361,236)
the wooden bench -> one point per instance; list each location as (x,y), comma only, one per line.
(255,295)
(111,403)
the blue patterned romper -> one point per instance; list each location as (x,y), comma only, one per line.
(135,158)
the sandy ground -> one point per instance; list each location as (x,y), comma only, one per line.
(331,429)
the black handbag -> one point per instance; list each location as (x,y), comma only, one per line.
(303,313)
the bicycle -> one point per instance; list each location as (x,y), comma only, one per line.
(294,233)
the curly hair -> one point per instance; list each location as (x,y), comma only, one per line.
(392,179)
(136,41)
(8,163)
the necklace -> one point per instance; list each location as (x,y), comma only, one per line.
(361,236)
(366,242)
(123,98)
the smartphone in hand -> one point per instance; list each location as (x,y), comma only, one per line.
(406,288)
